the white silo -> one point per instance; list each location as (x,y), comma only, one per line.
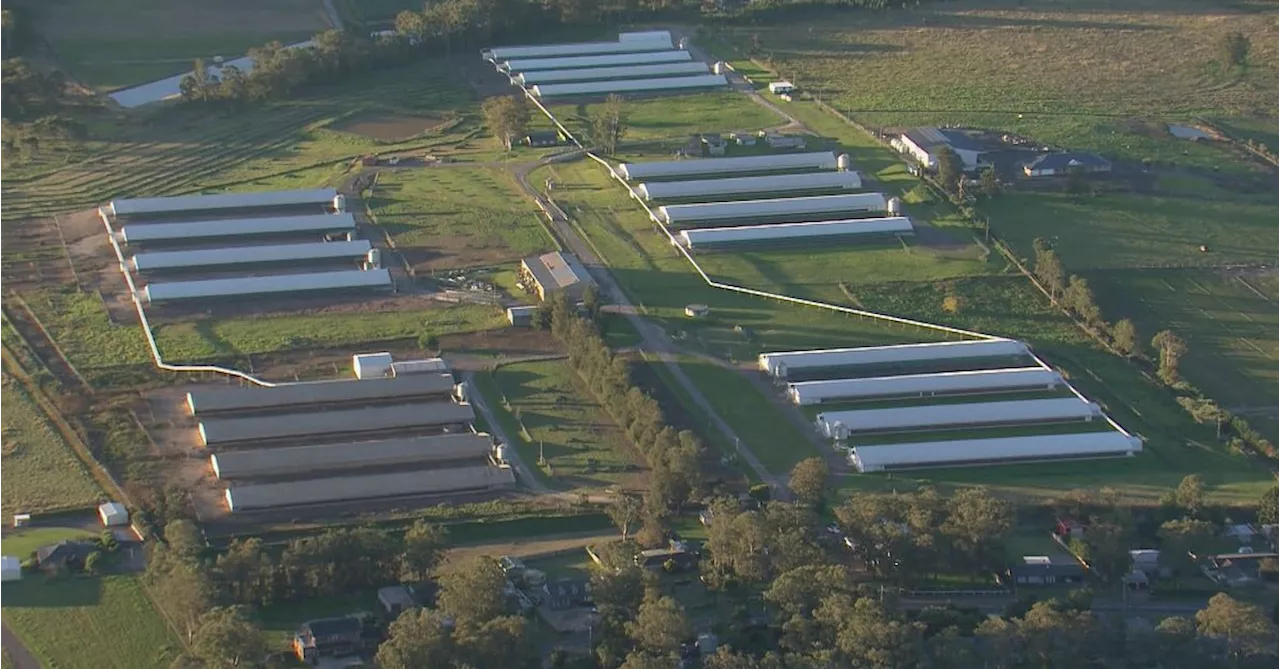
(843,163)
(461,391)
(339,203)
(373,259)
(719,67)
(894,206)
(500,453)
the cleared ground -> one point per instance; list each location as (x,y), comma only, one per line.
(388,127)
(89,623)
(41,473)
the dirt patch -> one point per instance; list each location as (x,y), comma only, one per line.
(389,127)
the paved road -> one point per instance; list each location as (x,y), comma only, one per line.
(22,658)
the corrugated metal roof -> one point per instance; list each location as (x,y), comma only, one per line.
(645,36)
(993,451)
(776,207)
(424,366)
(162,260)
(878,355)
(214,399)
(602,73)
(557,270)
(822,229)
(215,431)
(190,203)
(660,84)
(318,491)
(266,285)
(655,43)
(531,64)
(941,415)
(814,392)
(351,455)
(236,227)
(774,183)
(818,160)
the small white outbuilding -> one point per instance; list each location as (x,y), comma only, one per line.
(371,365)
(10,568)
(113,514)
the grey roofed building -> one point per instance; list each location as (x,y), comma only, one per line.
(1051,164)
(555,272)
(248,255)
(223,201)
(567,593)
(350,488)
(542,138)
(216,399)
(923,144)
(1046,570)
(437,450)
(396,599)
(274,285)
(218,431)
(65,554)
(142,233)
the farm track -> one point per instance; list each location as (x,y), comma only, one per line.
(38,341)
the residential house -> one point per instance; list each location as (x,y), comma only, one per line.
(1046,570)
(542,138)
(924,144)
(396,599)
(658,557)
(335,637)
(1147,561)
(1057,164)
(65,555)
(780,87)
(1237,570)
(566,593)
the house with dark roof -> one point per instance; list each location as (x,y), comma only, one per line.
(542,138)
(923,144)
(1237,570)
(1046,570)
(64,555)
(566,593)
(1057,164)
(335,637)
(555,272)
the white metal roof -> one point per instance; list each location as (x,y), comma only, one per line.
(645,35)
(215,399)
(330,457)
(281,253)
(814,392)
(531,64)
(424,366)
(941,415)
(817,160)
(236,227)
(654,43)
(195,203)
(773,183)
(317,491)
(777,207)
(266,285)
(659,84)
(695,237)
(601,73)
(216,431)
(993,451)
(778,362)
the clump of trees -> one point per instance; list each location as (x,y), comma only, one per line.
(506,117)
(609,124)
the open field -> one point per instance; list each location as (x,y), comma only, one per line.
(581,444)
(116,44)
(41,473)
(89,623)
(445,218)
(678,116)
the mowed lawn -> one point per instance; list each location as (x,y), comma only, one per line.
(41,473)
(443,218)
(89,623)
(582,445)
(676,116)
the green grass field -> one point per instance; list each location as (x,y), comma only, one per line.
(458,217)
(582,446)
(89,623)
(41,473)
(22,542)
(674,117)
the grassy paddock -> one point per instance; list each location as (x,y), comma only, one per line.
(41,473)
(669,117)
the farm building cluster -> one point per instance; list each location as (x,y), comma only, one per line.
(637,62)
(945,404)
(1008,154)
(398,430)
(775,198)
(200,248)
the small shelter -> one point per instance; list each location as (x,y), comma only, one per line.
(521,315)
(555,272)
(1046,570)
(780,87)
(113,514)
(697,310)
(542,138)
(396,599)
(371,365)
(10,568)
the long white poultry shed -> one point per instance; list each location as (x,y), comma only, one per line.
(923,385)
(986,452)
(838,423)
(779,362)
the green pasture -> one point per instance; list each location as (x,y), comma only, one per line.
(676,116)
(22,542)
(41,472)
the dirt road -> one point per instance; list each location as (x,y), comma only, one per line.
(531,547)
(13,648)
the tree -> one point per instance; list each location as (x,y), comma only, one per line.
(1077,181)
(506,117)
(1079,298)
(950,169)
(412,25)
(1125,337)
(424,547)
(183,539)
(1182,542)
(809,481)
(609,124)
(234,89)
(1206,411)
(501,642)
(976,523)
(591,301)
(1235,50)
(990,182)
(1245,627)
(188,594)
(1049,270)
(625,512)
(107,542)
(93,562)
(1190,494)
(952,304)
(1171,348)
(1267,513)
(245,572)
(869,636)
(641,660)
(226,638)
(417,638)
(1108,543)
(660,626)
(471,591)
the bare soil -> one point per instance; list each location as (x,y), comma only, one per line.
(389,127)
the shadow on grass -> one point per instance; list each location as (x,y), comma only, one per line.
(40,591)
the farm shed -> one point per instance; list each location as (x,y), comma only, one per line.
(422,366)
(371,365)
(267,285)
(779,87)
(793,209)
(113,514)
(349,488)
(645,36)
(923,385)
(774,183)
(551,273)
(219,431)
(191,204)
(1055,164)
(603,73)
(923,144)
(532,64)
(542,138)
(818,160)
(657,43)
(157,261)
(521,315)
(10,568)
(745,234)
(218,399)
(999,450)
(944,415)
(776,364)
(661,84)
(303,460)
(314,224)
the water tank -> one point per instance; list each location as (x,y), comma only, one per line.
(842,162)
(683,43)
(500,453)
(461,391)
(339,203)
(373,258)
(895,206)
(719,67)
